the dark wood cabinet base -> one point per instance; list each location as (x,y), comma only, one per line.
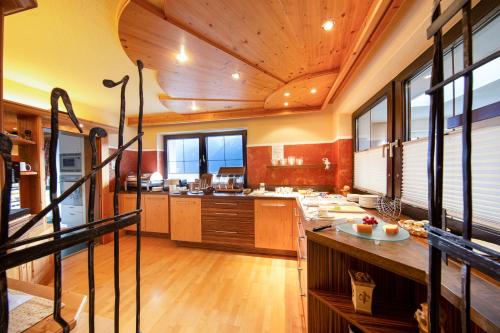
(235,248)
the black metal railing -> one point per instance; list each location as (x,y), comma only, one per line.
(53,243)
(443,243)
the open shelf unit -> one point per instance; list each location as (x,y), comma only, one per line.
(391,320)
(21,141)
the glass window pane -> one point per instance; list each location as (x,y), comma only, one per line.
(419,104)
(191,149)
(214,165)
(233,147)
(378,130)
(485,41)
(215,147)
(363,131)
(175,150)
(234,163)
(175,167)
(191,167)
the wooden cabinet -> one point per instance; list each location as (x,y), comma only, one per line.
(274,224)
(127,202)
(154,216)
(156,212)
(185,219)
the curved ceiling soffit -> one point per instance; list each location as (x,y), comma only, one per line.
(206,77)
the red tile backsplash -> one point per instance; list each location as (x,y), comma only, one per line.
(259,160)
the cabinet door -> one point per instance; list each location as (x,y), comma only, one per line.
(127,203)
(274,224)
(185,219)
(156,212)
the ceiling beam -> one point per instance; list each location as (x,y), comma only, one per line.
(373,19)
(164,97)
(172,118)
(189,30)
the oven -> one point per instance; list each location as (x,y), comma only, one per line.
(70,162)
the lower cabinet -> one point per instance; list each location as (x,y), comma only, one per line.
(185,219)
(274,224)
(155,211)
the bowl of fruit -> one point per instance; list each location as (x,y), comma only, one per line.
(370,220)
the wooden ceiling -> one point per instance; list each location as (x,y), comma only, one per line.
(277,47)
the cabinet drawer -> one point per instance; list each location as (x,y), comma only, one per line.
(225,225)
(233,238)
(227,214)
(231,204)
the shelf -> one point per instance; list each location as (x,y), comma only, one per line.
(392,320)
(303,166)
(29,173)
(21,141)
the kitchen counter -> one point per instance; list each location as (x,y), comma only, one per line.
(407,259)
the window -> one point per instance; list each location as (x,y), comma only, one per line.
(486,82)
(188,156)
(370,161)
(371,126)
(486,149)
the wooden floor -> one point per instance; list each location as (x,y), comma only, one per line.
(192,290)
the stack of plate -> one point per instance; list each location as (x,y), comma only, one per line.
(353,197)
(368,201)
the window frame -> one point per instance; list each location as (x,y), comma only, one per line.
(388,92)
(202,136)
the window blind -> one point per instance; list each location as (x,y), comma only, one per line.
(485,175)
(370,171)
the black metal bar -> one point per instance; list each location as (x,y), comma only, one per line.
(57,93)
(37,251)
(463,72)
(5,151)
(439,21)
(435,175)
(467,164)
(64,231)
(116,246)
(93,135)
(70,190)
(140,67)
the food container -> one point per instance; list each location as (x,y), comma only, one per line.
(362,291)
(275,162)
(352,197)
(291,160)
(368,200)
(299,161)
(283,161)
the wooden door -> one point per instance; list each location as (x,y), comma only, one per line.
(127,203)
(156,212)
(185,219)
(274,224)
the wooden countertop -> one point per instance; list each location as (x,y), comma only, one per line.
(409,258)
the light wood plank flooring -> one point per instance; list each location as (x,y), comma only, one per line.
(192,290)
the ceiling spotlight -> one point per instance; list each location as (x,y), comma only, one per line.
(328,25)
(182,56)
(285,104)
(80,125)
(235,76)
(286,94)
(313,91)
(194,107)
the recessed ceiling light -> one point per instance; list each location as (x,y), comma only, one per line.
(80,125)
(235,76)
(194,107)
(286,94)
(427,76)
(285,104)
(328,25)
(313,91)
(182,56)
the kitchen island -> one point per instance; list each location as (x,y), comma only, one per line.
(400,271)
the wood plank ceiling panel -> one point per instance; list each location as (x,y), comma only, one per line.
(190,106)
(146,35)
(283,37)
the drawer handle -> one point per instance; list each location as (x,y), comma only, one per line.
(225,232)
(273,205)
(226,203)
(228,214)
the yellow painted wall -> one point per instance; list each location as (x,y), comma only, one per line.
(305,128)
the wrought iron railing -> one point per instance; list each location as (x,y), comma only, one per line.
(443,243)
(60,239)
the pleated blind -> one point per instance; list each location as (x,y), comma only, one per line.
(485,175)
(370,171)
